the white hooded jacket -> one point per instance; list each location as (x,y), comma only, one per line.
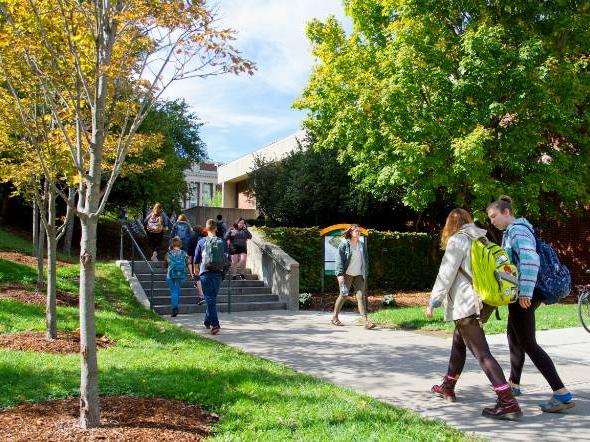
(453,288)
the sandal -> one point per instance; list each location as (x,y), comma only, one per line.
(336,321)
(554,405)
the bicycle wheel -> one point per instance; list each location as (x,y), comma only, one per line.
(584,309)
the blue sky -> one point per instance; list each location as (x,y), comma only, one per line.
(244,113)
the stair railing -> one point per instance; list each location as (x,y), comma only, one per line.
(135,246)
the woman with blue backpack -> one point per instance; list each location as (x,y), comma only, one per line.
(177,261)
(521,245)
(454,288)
(184,231)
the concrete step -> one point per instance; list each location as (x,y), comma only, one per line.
(158,267)
(184,309)
(162,277)
(235,299)
(159,284)
(191,291)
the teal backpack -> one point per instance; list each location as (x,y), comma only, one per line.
(177,264)
(214,254)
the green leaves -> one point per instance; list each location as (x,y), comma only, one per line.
(457,101)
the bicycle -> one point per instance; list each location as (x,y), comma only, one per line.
(584,305)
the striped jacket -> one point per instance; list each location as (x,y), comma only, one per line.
(521,246)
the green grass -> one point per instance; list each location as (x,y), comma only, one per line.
(15,243)
(255,398)
(548,317)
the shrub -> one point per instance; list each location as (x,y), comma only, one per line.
(305,299)
(397,261)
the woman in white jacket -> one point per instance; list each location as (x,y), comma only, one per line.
(454,289)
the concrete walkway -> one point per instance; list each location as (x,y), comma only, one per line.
(399,367)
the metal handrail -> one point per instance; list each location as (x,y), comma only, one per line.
(135,245)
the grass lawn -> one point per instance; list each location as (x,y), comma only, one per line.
(413,318)
(255,398)
(15,243)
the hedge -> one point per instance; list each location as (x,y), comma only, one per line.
(397,261)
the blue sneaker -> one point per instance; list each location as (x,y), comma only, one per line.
(558,402)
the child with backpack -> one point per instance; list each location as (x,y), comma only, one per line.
(210,258)
(521,245)
(454,288)
(184,231)
(177,261)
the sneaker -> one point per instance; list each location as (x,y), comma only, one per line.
(516,389)
(215,330)
(446,390)
(558,403)
(207,326)
(241,276)
(506,407)
(174,312)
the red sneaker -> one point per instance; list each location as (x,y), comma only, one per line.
(506,407)
(446,390)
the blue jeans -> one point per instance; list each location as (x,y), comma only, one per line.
(174,286)
(210,282)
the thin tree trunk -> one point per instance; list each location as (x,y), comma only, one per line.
(35,228)
(69,233)
(89,406)
(40,257)
(51,308)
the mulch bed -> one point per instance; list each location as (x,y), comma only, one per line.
(123,418)
(26,259)
(325,301)
(21,293)
(66,342)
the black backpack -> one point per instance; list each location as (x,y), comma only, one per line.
(220,229)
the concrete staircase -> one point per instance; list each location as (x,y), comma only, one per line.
(246,295)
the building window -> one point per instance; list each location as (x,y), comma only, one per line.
(207,193)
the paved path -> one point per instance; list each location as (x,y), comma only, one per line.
(399,367)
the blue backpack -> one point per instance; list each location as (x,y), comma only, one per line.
(183,231)
(177,264)
(554,281)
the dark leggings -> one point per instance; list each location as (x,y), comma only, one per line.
(469,334)
(155,240)
(522,340)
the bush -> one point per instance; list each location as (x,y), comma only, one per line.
(305,299)
(397,261)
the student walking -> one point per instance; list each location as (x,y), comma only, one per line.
(352,270)
(155,225)
(454,289)
(177,261)
(210,260)
(237,237)
(520,244)
(184,231)
(221,226)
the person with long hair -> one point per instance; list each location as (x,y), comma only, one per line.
(520,243)
(352,270)
(183,229)
(237,237)
(155,225)
(454,289)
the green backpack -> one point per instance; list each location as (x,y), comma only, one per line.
(495,278)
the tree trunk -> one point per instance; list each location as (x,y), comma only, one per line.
(40,257)
(89,406)
(69,233)
(51,308)
(35,228)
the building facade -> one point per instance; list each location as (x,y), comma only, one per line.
(233,177)
(202,184)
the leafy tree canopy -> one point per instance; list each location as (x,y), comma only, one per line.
(457,101)
(156,173)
